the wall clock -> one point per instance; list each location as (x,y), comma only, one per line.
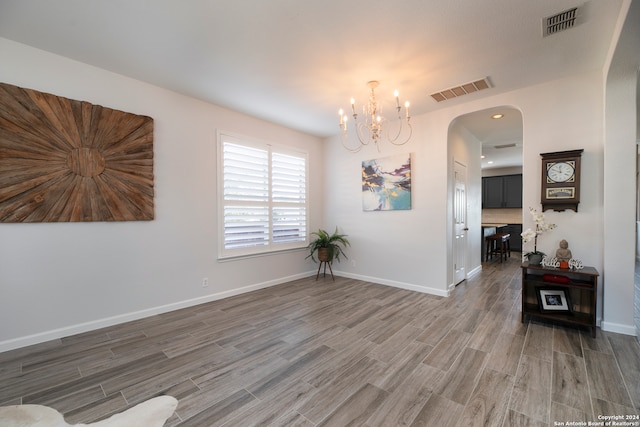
(561,180)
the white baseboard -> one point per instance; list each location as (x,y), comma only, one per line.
(54,334)
(38,338)
(475,271)
(395,284)
(41,337)
(618,328)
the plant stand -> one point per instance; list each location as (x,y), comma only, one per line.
(325,270)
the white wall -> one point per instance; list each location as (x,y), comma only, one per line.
(59,279)
(412,249)
(619,175)
(512,170)
(397,248)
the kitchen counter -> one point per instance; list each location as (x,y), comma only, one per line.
(493,224)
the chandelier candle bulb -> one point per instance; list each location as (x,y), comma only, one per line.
(373,127)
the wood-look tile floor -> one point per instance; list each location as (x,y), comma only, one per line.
(323,353)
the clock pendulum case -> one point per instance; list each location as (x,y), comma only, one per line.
(561,180)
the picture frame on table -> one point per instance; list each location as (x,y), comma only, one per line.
(553,300)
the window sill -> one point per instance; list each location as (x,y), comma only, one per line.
(259,255)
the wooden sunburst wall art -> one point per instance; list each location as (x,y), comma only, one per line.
(63,160)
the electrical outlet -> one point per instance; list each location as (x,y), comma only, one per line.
(205,282)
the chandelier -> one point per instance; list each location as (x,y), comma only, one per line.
(374,125)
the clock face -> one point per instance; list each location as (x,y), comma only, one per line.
(560,172)
(561,180)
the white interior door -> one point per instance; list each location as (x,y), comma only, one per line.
(460,222)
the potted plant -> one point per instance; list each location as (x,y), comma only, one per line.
(328,246)
(535,257)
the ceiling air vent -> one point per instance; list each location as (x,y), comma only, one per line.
(559,22)
(464,89)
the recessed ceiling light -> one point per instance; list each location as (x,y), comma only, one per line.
(482,157)
(490,162)
(497,116)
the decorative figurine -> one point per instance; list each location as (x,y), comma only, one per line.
(563,253)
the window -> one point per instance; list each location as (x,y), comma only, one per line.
(263,197)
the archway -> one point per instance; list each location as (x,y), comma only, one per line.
(501,140)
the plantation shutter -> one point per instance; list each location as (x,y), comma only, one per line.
(264,200)
(246,196)
(289,198)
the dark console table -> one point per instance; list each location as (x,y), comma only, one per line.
(564,296)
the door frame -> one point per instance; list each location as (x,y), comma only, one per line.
(459,253)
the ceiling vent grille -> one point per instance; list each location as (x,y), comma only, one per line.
(463,89)
(560,22)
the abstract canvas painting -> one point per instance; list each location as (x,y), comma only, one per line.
(386,183)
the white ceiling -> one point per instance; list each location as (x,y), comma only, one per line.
(296,62)
(501,138)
